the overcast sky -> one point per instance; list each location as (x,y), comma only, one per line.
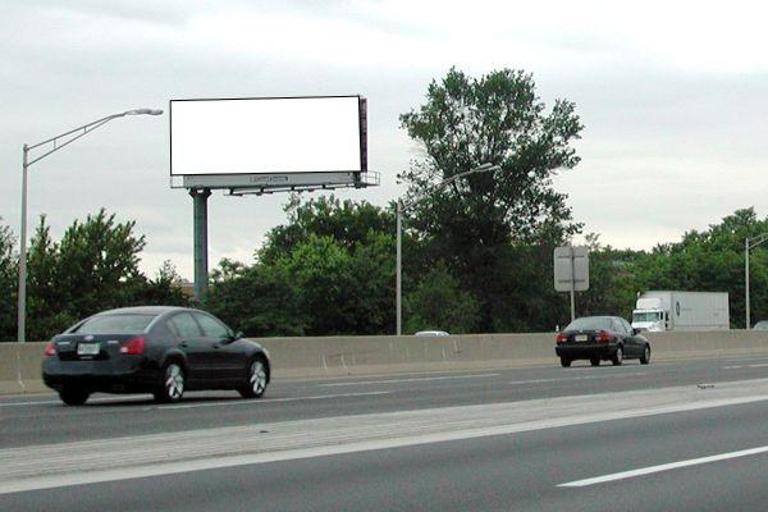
(673,96)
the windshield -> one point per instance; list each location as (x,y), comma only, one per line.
(647,316)
(590,323)
(114,324)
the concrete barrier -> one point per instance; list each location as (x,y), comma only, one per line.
(304,358)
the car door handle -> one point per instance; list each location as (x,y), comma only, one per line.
(183,345)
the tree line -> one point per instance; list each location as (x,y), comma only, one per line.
(477,254)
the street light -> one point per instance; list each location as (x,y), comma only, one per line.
(401,206)
(57,143)
(749,244)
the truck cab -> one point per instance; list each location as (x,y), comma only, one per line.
(651,314)
(652,320)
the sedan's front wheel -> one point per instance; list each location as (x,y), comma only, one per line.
(172,387)
(257,380)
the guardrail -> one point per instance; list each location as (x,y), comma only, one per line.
(305,357)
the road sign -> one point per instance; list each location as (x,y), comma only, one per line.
(572,272)
(571,269)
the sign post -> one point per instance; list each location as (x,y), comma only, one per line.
(571,272)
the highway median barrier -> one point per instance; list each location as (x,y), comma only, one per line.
(337,356)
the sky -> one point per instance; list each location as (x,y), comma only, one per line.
(673,97)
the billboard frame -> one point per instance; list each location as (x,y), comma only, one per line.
(290,181)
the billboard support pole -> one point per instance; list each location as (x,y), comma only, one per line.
(200,213)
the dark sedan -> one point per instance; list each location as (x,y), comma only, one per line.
(598,338)
(154,349)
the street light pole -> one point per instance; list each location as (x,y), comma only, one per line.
(401,207)
(22,295)
(749,244)
(57,142)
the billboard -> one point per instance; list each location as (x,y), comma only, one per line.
(235,137)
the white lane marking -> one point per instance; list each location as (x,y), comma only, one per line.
(267,401)
(414,379)
(86,476)
(749,359)
(739,366)
(568,379)
(664,467)
(91,401)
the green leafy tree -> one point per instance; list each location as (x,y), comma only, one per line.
(499,119)
(8,284)
(612,282)
(48,303)
(320,271)
(438,302)
(94,267)
(164,289)
(348,222)
(328,270)
(257,300)
(99,263)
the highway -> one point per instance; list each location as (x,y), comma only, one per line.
(667,436)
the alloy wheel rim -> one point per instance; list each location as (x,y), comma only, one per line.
(647,354)
(619,354)
(174,381)
(258,377)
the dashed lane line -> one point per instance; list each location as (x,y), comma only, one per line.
(414,379)
(664,467)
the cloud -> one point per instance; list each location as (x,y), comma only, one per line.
(672,96)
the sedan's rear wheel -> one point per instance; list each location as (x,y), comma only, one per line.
(172,387)
(565,362)
(258,378)
(74,396)
(646,357)
(618,357)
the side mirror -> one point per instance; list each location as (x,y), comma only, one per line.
(635,331)
(231,337)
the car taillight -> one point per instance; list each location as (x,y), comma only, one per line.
(50,349)
(561,338)
(133,346)
(603,337)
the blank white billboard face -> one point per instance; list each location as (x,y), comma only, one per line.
(265,135)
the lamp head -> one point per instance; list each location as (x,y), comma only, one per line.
(144,111)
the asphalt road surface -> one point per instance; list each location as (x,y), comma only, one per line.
(667,436)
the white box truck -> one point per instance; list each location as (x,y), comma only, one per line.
(665,310)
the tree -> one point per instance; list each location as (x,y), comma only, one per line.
(613,284)
(8,282)
(329,270)
(48,303)
(439,303)
(347,222)
(165,288)
(257,300)
(499,119)
(99,263)
(94,267)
